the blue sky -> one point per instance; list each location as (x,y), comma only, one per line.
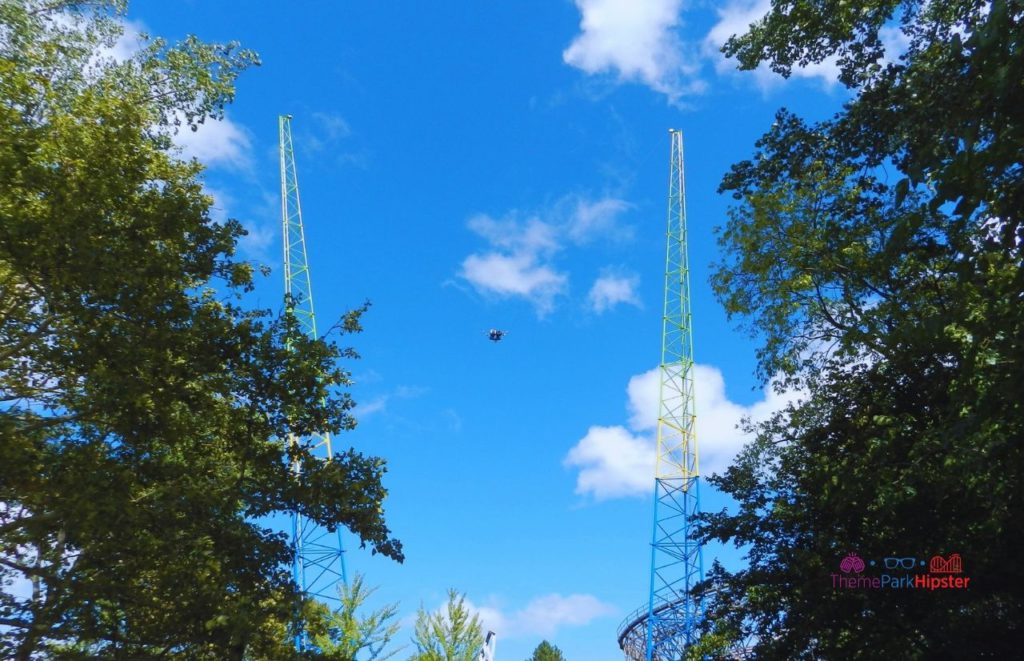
(502,164)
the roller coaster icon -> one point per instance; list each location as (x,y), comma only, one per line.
(951,565)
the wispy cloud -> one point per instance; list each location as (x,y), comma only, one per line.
(592,219)
(333,124)
(327,132)
(221,201)
(520,259)
(257,241)
(618,461)
(637,41)
(518,263)
(544,615)
(374,405)
(259,237)
(453,419)
(216,143)
(258,218)
(613,289)
(380,402)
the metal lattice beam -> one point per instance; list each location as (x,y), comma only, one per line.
(668,625)
(319,563)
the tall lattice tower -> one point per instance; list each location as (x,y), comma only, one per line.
(667,626)
(319,560)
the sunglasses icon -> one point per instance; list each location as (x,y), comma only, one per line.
(900,563)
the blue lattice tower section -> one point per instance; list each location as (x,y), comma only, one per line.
(667,625)
(319,559)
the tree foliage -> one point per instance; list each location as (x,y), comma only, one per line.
(141,402)
(546,652)
(452,634)
(877,256)
(347,635)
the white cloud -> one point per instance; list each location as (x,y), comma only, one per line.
(453,419)
(380,402)
(127,44)
(534,236)
(612,462)
(333,124)
(328,131)
(257,241)
(591,219)
(375,405)
(638,41)
(515,275)
(641,41)
(543,616)
(221,202)
(642,400)
(216,142)
(610,290)
(518,264)
(615,462)
(895,41)
(520,260)
(259,236)
(735,18)
(121,48)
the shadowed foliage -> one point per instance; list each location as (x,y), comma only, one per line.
(142,404)
(877,258)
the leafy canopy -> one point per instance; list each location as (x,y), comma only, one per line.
(451,634)
(141,402)
(546,652)
(346,635)
(877,257)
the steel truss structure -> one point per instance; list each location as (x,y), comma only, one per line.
(319,565)
(668,625)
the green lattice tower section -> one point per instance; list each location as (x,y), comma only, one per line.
(319,559)
(676,559)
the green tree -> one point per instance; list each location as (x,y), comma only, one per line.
(546,652)
(344,633)
(877,256)
(453,634)
(142,404)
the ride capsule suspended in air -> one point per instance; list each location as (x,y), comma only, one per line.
(495,335)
